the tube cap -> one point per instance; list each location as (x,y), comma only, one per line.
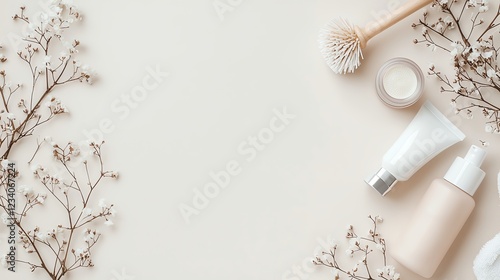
(382,181)
(465,172)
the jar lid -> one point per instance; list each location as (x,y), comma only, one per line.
(400,82)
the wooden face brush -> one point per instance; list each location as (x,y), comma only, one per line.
(341,42)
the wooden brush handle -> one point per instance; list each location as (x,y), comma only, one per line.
(374,28)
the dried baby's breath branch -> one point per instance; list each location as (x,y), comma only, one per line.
(360,246)
(47,72)
(79,169)
(461,30)
(72,188)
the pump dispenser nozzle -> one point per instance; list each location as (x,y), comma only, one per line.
(465,173)
(475,155)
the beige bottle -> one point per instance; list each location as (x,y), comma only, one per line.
(440,215)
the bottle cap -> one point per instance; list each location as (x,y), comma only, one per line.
(382,181)
(465,173)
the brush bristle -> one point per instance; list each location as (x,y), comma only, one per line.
(340,46)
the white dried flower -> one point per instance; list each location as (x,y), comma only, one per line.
(56,107)
(63,55)
(108,223)
(432,46)
(43,237)
(474,55)
(439,27)
(483,8)
(5,163)
(87,212)
(88,236)
(480,70)
(36,167)
(456,49)
(380,247)
(102,203)
(389,270)
(3,260)
(68,3)
(111,174)
(5,218)
(80,252)
(25,190)
(87,73)
(41,198)
(69,47)
(10,116)
(487,54)
(491,73)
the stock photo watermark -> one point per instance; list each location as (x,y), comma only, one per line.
(249,149)
(306,267)
(9,218)
(222,7)
(122,275)
(123,105)
(381,17)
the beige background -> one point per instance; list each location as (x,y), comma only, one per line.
(226,77)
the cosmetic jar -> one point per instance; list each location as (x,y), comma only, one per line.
(400,82)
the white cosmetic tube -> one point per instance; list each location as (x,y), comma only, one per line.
(429,133)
